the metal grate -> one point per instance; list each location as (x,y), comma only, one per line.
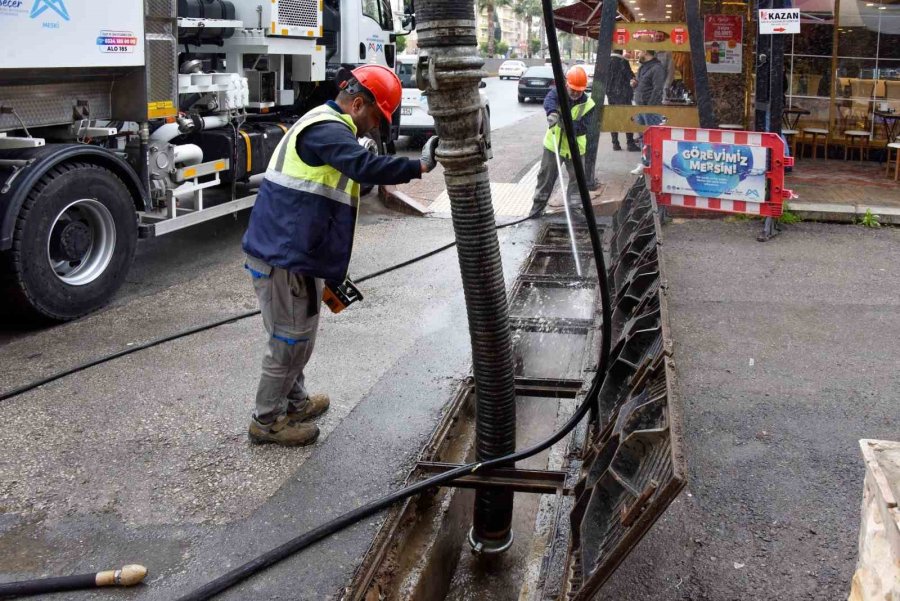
(51,104)
(633,467)
(161,74)
(299,13)
(159,9)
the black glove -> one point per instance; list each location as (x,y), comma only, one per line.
(428,153)
(552,119)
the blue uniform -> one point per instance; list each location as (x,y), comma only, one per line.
(307,228)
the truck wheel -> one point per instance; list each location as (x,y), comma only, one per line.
(73,243)
(521,99)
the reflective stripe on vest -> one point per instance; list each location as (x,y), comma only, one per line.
(555,135)
(287,169)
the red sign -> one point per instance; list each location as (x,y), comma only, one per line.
(679,36)
(723,43)
(620,38)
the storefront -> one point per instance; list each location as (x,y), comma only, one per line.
(842,71)
(844,68)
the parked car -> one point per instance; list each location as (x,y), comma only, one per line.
(535,83)
(511,69)
(414,118)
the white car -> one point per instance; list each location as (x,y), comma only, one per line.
(414,118)
(511,69)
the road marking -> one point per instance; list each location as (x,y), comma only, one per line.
(509,200)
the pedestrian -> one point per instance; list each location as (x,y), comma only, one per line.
(300,238)
(650,85)
(619,91)
(582,105)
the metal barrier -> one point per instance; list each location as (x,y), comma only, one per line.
(718,170)
(633,466)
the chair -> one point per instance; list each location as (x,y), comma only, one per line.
(862,88)
(790,135)
(819,139)
(893,149)
(892,90)
(857,140)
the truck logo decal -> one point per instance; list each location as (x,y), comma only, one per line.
(56,6)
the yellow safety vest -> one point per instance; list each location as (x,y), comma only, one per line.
(555,135)
(288,169)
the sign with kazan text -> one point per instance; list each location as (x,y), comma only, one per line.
(708,170)
(779,20)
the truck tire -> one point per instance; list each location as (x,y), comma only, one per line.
(73,243)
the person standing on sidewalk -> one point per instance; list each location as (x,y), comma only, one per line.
(619,91)
(650,87)
(582,105)
(300,237)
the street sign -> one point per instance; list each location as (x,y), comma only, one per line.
(779,20)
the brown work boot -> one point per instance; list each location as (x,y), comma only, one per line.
(284,432)
(314,406)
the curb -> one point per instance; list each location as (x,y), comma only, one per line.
(816,211)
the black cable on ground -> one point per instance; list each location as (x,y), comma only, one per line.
(197,329)
(591,400)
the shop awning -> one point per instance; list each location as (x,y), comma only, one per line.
(581,18)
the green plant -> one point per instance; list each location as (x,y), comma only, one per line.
(870,219)
(401,44)
(789,217)
(501,47)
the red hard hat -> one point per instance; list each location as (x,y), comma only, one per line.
(383,84)
(577,78)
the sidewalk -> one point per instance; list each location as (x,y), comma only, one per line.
(829,190)
(513,171)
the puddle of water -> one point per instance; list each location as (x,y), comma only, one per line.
(548,354)
(535,300)
(560,263)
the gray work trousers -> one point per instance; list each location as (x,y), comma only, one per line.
(291,318)
(546,181)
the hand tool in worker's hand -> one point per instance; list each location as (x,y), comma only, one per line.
(127,576)
(563,185)
(339,296)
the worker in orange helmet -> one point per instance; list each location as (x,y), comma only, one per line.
(300,238)
(555,139)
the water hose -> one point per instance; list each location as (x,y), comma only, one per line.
(565,198)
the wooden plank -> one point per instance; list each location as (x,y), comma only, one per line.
(621,117)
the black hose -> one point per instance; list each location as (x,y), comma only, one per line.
(565,112)
(444,26)
(215,324)
(590,403)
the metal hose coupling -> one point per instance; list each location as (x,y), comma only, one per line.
(450,71)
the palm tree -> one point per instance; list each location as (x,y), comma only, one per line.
(489,6)
(528,9)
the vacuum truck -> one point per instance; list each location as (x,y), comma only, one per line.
(137,118)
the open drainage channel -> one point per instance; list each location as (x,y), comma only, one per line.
(582,506)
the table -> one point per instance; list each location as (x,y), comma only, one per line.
(891,122)
(790,116)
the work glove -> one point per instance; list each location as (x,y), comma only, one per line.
(552,119)
(428,153)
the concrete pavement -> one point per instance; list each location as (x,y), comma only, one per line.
(786,356)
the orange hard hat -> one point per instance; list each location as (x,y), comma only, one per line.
(577,78)
(383,84)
